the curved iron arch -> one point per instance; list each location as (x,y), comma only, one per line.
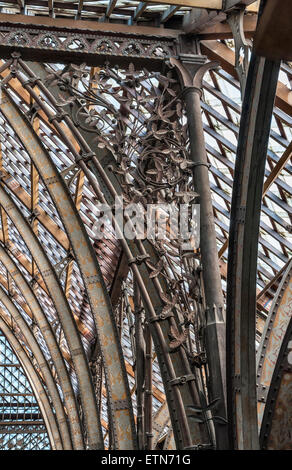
(86,259)
(53,347)
(63,309)
(36,385)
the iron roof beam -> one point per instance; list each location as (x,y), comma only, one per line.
(139,10)
(220,52)
(43,40)
(169,13)
(231,4)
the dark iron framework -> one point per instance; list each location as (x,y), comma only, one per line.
(22,426)
(120,333)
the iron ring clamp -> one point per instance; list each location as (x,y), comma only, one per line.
(158,318)
(138,260)
(195,164)
(85,157)
(182,379)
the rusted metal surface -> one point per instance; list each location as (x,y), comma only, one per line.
(272,339)
(275,431)
(147,278)
(169,442)
(91,274)
(176,366)
(148,287)
(266,207)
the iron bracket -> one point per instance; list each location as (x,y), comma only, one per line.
(182,379)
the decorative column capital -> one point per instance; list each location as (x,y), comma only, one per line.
(191,69)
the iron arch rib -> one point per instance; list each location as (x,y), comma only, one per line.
(243,249)
(53,347)
(275,433)
(36,386)
(65,315)
(43,366)
(276,327)
(86,259)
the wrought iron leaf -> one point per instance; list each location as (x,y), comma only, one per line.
(178,338)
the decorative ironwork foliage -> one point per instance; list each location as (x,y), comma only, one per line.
(139,117)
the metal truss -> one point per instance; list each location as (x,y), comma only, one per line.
(53,41)
(21,422)
(120,333)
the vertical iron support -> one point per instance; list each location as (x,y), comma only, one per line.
(243,250)
(191,69)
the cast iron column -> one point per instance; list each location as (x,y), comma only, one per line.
(191,69)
